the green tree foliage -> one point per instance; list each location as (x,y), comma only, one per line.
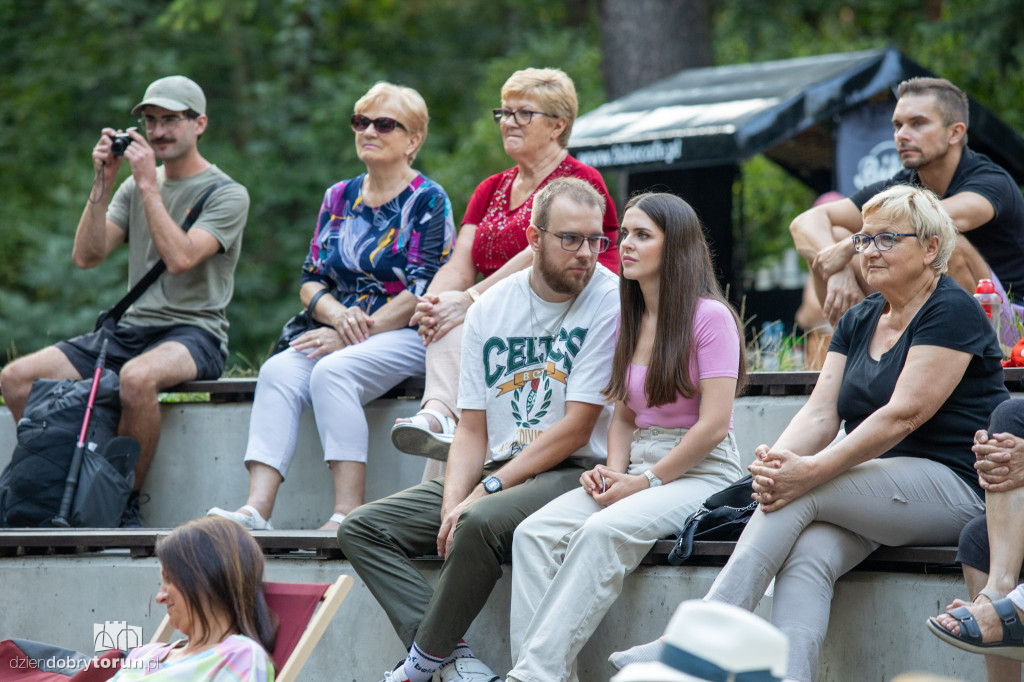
(281,77)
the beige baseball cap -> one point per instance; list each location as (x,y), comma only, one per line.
(176,93)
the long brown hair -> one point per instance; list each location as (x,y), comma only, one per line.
(216,564)
(686,276)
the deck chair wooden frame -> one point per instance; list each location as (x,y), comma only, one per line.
(311,634)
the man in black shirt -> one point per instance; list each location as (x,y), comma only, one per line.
(930,128)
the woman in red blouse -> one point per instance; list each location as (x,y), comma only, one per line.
(538,108)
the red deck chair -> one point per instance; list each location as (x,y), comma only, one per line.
(301,625)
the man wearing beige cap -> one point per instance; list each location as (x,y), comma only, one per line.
(176,330)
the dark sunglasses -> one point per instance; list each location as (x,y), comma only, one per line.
(382,125)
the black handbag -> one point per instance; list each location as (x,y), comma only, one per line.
(723,516)
(299,324)
(111,316)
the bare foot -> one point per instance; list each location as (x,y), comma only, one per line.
(984,613)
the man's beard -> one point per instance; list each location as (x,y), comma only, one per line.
(920,160)
(560,281)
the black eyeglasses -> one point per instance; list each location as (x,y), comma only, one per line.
(884,241)
(522,117)
(574,242)
(382,125)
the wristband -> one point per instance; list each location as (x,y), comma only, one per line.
(474,295)
(313,301)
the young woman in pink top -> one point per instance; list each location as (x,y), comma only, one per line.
(678,364)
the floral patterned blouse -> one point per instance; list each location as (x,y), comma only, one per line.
(368,254)
(236,659)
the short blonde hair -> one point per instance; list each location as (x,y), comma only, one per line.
(923,212)
(414,109)
(553,90)
(576,190)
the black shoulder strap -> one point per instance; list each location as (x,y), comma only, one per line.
(147,280)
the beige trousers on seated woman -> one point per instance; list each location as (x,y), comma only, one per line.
(442,384)
(569,559)
(813,540)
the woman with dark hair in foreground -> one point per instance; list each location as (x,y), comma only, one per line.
(212,586)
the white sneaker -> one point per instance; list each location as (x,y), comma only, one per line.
(251,521)
(465,670)
(397,675)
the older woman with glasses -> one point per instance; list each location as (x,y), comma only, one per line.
(913,371)
(379,240)
(538,108)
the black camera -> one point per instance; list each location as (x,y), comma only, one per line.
(121,142)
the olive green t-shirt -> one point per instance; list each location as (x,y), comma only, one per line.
(197,297)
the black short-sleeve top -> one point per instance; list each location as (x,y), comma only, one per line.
(950,318)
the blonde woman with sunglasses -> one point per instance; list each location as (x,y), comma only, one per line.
(379,239)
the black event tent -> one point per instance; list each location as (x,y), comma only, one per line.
(689,132)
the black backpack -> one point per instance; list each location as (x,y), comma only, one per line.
(722,517)
(32,485)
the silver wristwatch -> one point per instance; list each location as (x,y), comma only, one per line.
(654,480)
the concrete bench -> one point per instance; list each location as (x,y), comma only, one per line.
(875,632)
(242,389)
(141,542)
(198,465)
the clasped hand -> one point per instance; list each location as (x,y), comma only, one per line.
(831,259)
(842,293)
(607,486)
(779,477)
(352,327)
(1000,461)
(438,314)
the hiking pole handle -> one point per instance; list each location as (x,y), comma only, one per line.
(71,482)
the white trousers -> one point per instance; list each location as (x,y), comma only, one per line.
(570,557)
(818,537)
(336,386)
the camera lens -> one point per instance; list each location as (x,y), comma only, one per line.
(119,144)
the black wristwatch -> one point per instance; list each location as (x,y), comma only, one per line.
(492,484)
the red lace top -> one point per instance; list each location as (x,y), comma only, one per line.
(501,231)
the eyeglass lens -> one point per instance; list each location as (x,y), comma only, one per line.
(521,117)
(574,242)
(382,125)
(884,241)
(168,121)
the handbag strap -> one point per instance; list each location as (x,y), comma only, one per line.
(147,280)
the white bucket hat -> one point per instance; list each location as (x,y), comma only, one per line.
(714,642)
